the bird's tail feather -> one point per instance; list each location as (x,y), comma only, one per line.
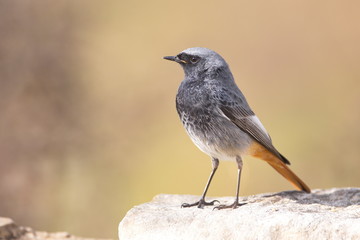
(290,176)
(257,150)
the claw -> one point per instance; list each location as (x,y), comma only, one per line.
(233,206)
(200,204)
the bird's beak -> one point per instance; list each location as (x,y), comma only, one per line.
(175,59)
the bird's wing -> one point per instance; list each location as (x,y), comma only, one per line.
(242,116)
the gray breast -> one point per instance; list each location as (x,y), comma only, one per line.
(214,134)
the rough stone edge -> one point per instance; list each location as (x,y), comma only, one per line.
(9,230)
(163,198)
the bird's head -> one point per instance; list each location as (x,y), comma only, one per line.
(199,62)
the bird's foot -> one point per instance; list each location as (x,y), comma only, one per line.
(233,205)
(200,204)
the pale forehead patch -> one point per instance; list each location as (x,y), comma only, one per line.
(199,51)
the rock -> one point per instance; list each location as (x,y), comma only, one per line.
(323,214)
(10,231)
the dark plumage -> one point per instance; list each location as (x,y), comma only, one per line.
(218,118)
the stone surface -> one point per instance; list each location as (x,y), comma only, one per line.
(10,231)
(323,214)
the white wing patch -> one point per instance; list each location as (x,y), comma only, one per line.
(257,122)
(222,114)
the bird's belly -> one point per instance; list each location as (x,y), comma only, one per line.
(220,139)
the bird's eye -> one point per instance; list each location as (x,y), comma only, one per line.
(194,59)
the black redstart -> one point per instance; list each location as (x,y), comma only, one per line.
(219,120)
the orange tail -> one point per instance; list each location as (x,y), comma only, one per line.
(259,151)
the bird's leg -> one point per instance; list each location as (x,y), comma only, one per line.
(201,203)
(236,202)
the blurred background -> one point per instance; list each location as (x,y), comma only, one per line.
(88,126)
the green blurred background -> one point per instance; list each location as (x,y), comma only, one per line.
(88,126)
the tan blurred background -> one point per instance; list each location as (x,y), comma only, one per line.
(88,126)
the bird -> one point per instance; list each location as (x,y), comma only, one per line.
(220,122)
